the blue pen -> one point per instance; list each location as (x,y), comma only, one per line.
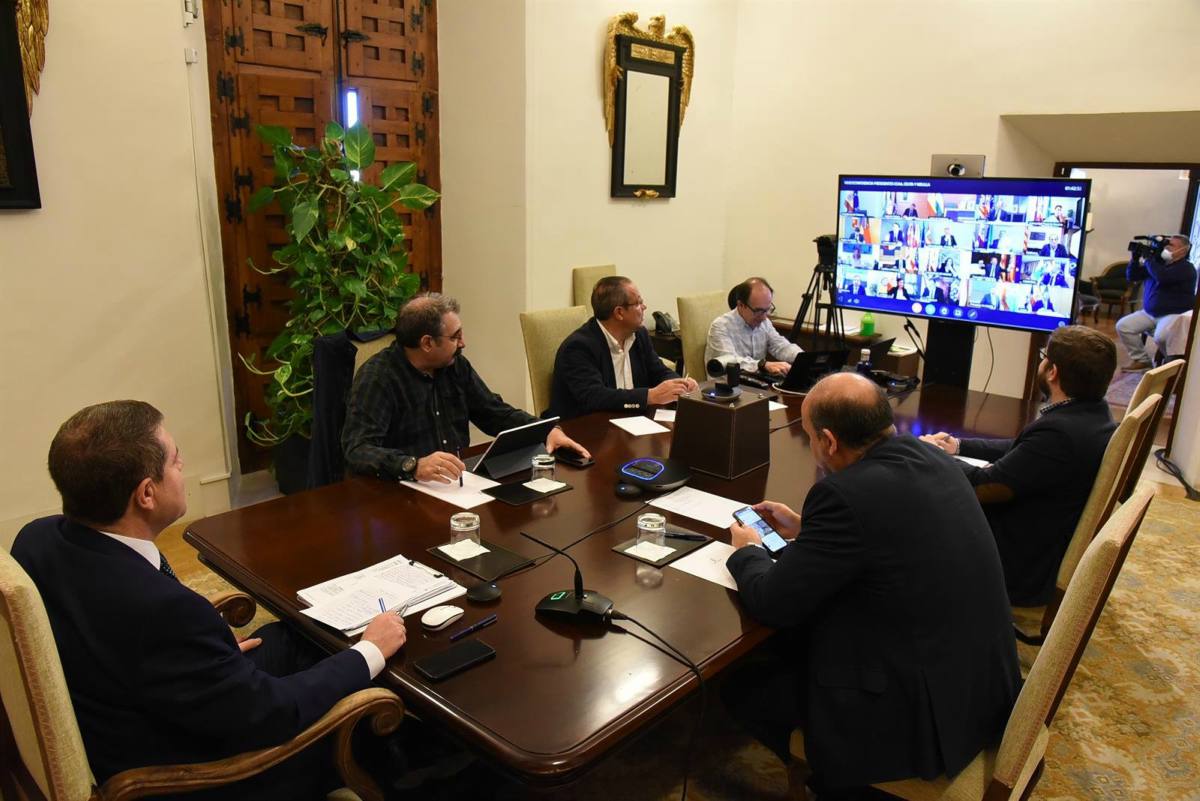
(483,624)
(382,608)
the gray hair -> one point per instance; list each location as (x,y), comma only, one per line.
(422,316)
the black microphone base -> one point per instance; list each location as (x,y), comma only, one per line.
(592,607)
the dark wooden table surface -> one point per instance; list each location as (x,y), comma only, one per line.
(557,697)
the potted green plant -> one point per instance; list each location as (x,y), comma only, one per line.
(345,261)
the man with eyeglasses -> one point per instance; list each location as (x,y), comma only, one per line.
(1035,486)
(745,335)
(412,403)
(608,363)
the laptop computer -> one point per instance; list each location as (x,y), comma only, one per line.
(809,367)
(512,449)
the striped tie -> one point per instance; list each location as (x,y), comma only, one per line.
(164,567)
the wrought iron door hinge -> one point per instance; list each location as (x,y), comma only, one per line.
(314,29)
(233,209)
(226,87)
(241,324)
(249,297)
(237,40)
(241,179)
(428,104)
(241,123)
(354,36)
(419,130)
(418,19)
(418,64)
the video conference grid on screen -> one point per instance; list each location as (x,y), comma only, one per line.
(994,251)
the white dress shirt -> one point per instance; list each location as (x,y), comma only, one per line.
(622,369)
(731,339)
(149,551)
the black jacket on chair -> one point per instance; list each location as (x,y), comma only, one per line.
(895,588)
(584,380)
(155,675)
(1050,467)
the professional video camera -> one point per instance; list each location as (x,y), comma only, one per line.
(1148,246)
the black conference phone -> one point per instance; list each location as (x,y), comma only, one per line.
(664,323)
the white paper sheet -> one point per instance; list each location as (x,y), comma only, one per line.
(544,485)
(468,496)
(708,563)
(639,426)
(969,460)
(350,602)
(776,407)
(649,551)
(463,549)
(664,415)
(698,505)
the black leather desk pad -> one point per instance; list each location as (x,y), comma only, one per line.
(487,566)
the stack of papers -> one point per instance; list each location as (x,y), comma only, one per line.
(348,603)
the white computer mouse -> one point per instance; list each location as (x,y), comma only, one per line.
(439,617)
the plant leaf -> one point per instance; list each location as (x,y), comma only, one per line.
(274,135)
(397,175)
(417,196)
(360,147)
(339,175)
(304,216)
(334,131)
(262,197)
(355,286)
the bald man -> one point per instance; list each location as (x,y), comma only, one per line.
(897,655)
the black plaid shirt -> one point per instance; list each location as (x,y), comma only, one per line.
(397,411)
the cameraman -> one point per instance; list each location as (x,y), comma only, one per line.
(1170,290)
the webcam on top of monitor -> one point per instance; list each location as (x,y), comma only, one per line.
(956,165)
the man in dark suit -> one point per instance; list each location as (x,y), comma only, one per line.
(948,239)
(1054,248)
(897,656)
(608,363)
(1037,484)
(155,675)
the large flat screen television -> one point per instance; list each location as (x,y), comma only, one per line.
(992,251)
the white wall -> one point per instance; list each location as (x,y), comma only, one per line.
(875,87)
(1126,203)
(103,290)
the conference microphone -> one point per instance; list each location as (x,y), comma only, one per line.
(914,334)
(578,605)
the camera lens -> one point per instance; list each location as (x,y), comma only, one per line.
(957,170)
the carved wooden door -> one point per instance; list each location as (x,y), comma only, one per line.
(276,62)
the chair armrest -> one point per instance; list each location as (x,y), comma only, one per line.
(237,608)
(383,706)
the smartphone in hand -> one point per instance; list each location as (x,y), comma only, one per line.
(771,539)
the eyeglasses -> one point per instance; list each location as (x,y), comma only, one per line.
(457,336)
(638,302)
(759,312)
(1043,355)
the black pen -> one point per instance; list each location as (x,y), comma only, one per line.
(483,624)
(458,453)
(686,535)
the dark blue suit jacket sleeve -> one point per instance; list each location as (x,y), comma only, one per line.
(579,372)
(1039,459)
(825,557)
(192,671)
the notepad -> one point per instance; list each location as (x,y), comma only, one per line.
(348,603)
(639,426)
(468,496)
(972,461)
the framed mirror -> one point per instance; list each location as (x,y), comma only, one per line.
(646,117)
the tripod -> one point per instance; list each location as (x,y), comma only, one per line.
(824,279)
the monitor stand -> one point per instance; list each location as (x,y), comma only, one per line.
(948,350)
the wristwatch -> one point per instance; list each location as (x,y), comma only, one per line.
(408,468)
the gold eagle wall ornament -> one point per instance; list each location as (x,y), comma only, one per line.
(624,24)
(33,20)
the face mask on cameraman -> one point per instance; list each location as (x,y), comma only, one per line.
(1167,256)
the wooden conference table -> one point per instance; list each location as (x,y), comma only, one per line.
(557,697)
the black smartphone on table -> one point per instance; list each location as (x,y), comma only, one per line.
(771,539)
(572,457)
(454,659)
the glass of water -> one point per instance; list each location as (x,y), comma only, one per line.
(464,526)
(651,527)
(542,466)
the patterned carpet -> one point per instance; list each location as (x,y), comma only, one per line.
(1129,727)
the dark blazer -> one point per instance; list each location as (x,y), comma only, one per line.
(895,582)
(1058,251)
(155,675)
(584,380)
(1050,467)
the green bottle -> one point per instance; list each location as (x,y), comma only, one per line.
(867,327)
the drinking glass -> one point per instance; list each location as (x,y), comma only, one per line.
(651,527)
(464,526)
(542,466)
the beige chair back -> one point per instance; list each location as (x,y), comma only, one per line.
(1024,743)
(544,331)
(36,702)
(1115,465)
(696,313)
(365,350)
(583,280)
(1159,381)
